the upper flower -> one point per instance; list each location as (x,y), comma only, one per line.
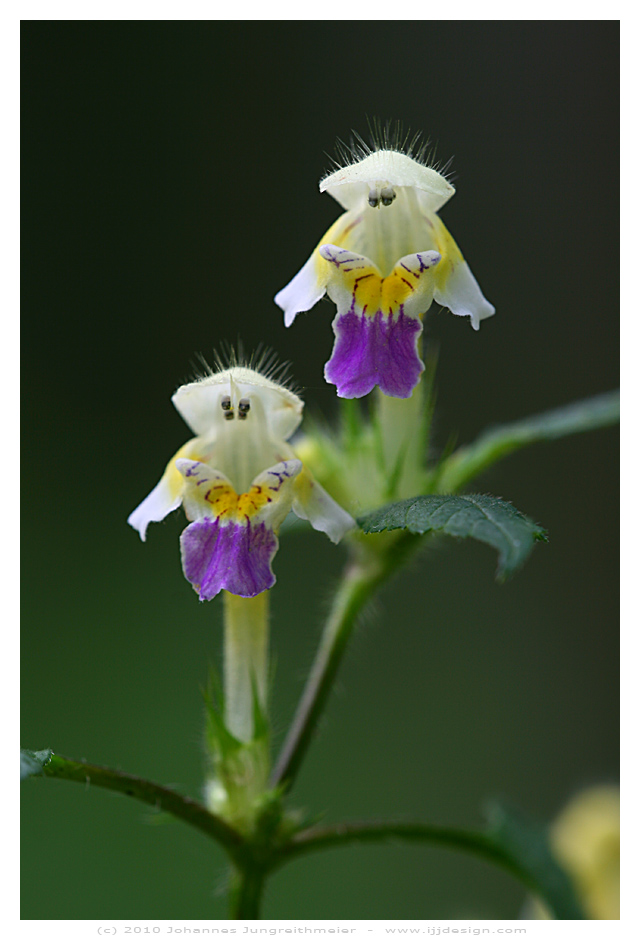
(237,480)
(383,262)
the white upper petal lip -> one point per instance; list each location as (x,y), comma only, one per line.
(392,202)
(386,169)
(199,403)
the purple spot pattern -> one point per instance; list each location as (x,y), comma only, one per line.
(235,557)
(378,350)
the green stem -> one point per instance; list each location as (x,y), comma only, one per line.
(246,650)
(342,834)
(362,577)
(246,893)
(182,807)
(561,903)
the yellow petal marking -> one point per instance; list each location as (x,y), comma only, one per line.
(451,254)
(229,505)
(370,291)
(172,475)
(335,235)
(303,485)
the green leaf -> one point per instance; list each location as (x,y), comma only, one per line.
(485,518)
(467,462)
(526,843)
(32,763)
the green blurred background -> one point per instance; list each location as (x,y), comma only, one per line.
(169,190)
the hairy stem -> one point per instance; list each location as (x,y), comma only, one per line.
(558,896)
(342,834)
(246,893)
(162,798)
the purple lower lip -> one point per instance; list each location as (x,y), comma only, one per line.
(236,557)
(379,350)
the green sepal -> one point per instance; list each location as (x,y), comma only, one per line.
(487,519)
(220,741)
(240,768)
(261,728)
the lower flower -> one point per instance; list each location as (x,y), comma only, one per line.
(237,481)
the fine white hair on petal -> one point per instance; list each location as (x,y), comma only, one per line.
(389,135)
(199,402)
(350,185)
(394,158)
(263,359)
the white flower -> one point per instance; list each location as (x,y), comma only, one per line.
(383,262)
(237,480)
